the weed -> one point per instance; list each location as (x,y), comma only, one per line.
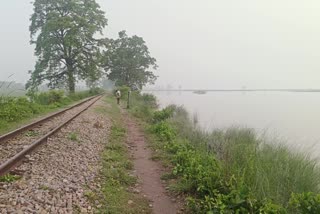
(31,133)
(76,209)
(46,188)
(91,196)
(73,136)
(9,178)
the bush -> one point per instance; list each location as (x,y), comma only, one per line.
(15,109)
(95,91)
(164,131)
(306,203)
(149,100)
(50,97)
(162,115)
(142,106)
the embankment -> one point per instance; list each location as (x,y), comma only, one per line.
(227,171)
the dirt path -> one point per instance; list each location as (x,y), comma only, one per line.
(148,171)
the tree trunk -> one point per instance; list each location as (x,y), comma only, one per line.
(71,82)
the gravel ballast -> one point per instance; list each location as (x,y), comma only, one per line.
(60,176)
(11,147)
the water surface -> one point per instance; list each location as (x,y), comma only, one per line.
(293,117)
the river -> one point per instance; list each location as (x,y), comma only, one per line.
(290,117)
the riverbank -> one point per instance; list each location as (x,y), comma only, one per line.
(230,170)
(289,117)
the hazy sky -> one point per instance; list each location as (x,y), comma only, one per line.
(198,43)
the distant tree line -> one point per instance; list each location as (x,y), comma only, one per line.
(70,47)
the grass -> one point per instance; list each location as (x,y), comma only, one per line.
(44,187)
(117,169)
(73,137)
(9,178)
(17,111)
(269,170)
(266,170)
(31,133)
(231,170)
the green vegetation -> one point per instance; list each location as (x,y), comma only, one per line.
(31,133)
(117,169)
(128,61)
(16,110)
(8,178)
(73,136)
(229,171)
(67,50)
(142,106)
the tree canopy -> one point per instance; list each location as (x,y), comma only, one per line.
(127,61)
(64,34)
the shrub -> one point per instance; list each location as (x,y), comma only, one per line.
(306,203)
(149,100)
(15,109)
(50,97)
(96,90)
(142,106)
(164,131)
(162,115)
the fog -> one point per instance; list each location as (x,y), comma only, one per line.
(198,44)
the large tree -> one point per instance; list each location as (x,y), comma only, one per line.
(128,62)
(64,34)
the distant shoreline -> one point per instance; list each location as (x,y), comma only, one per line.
(233,90)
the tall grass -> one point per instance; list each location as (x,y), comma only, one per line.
(232,170)
(11,88)
(269,170)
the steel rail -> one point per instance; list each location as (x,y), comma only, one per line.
(14,133)
(16,159)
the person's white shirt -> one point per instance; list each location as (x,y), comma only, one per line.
(118,94)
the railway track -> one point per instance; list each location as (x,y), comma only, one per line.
(14,146)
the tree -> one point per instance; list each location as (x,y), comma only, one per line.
(127,61)
(63,31)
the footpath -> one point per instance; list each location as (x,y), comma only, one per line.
(148,171)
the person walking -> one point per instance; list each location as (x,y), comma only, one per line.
(118,96)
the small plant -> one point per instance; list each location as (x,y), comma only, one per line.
(90,195)
(9,178)
(31,133)
(45,187)
(73,136)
